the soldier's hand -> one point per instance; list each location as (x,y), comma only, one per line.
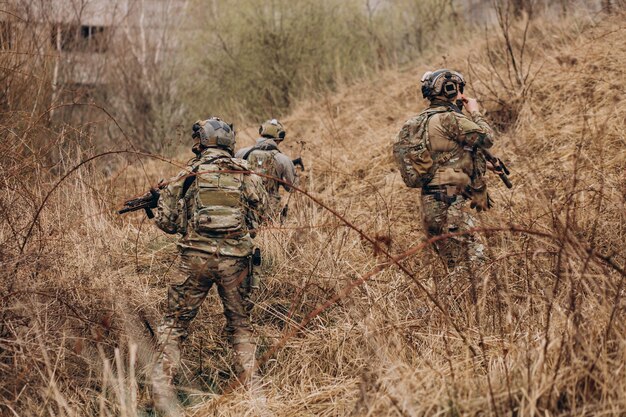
(480,201)
(471,104)
(479,196)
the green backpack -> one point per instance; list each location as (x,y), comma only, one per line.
(217,198)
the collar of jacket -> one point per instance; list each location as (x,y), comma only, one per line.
(214,152)
(266,144)
(443,103)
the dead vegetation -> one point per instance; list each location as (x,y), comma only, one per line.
(344,328)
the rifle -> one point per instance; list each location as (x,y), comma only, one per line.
(499,168)
(298,162)
(283,213)
(147,202)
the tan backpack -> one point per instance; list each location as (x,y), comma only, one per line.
(263,161)
(217,198)
(412,151)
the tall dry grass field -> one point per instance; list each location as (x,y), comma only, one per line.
(356,315)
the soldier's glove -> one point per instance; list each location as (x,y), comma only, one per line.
(479,196)
(481,201)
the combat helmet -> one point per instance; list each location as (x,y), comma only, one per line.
(443,82)
(272,129)
(213,133)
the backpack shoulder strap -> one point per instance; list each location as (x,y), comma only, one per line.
(431,112)
(192,175)
(257,148)
(428,114)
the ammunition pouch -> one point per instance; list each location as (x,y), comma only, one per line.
(253,282)
(447,185)
(256,257)
(181,221)
(451,177)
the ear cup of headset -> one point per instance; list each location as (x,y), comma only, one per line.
(449,89)
(426,90)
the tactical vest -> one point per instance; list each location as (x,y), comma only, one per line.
(216,198)
(413,153)
(263,162)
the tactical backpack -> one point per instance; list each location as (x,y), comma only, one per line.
(262,161)
(217,198)
(412,151)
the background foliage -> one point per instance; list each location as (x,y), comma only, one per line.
(253,59)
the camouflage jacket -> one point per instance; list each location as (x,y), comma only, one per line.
(454,141)
(175,207)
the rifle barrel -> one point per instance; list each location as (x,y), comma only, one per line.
(506,180)
(500,168)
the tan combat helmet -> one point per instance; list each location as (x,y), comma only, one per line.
(213,133)
(442,83)
(272,129)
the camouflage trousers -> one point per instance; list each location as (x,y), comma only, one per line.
(184,300)
(440,218)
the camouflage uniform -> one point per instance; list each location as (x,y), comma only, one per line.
(281,167)
(207,259)
(456,169)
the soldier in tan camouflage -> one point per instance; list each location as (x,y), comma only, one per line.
(215,205)
(439,151)
(265,158)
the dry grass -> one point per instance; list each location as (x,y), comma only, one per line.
(539,330)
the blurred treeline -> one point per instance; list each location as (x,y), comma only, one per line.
(140,85)
(251,59)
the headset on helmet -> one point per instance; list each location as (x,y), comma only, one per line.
(214,132)
(272,129)
(443,82)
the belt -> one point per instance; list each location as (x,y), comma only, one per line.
(434,189)
(440,193)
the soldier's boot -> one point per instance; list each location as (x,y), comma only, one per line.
(245,352)
(163,374)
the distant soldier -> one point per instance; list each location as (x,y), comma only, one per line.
(440,151)
(265,158)
(215,205)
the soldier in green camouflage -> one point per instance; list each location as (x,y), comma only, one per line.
(215,205)
(439,151)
